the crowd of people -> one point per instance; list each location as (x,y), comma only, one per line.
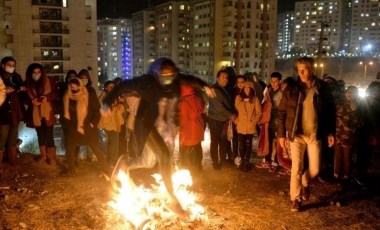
(305,126)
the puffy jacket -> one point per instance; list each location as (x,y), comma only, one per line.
(290,110)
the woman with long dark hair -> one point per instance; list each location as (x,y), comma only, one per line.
(41,95)
(12,111)
(249,112)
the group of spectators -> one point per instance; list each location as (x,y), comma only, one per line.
(306,126)
(36,101)
(298,121)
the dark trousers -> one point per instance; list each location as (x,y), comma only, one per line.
(45,135)
(235,142)
(113,150)
(191,158)
(8,136)
(74,139)
(159,147)
(218,143)
(245,147)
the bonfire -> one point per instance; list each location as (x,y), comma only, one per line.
(139,207)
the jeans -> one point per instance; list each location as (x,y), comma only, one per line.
(342,160)
(245,147)
(298,176)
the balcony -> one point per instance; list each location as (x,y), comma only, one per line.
(50,17)
(58,3)
(51,44)
(52,58)
(51,31)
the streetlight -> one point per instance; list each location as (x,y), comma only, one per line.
(365,69)
(321,65)
(316,68)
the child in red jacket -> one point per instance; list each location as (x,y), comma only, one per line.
(191,129)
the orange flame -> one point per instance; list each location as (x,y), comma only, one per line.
(141,206)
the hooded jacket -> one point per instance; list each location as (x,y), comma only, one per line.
(191,121)
(249,114)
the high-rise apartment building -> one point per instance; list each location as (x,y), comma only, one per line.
(346,25)
(173,32)
(365,27)
(238,33)
(59,34)
(285,33)
(143,41)
(114,48)
(313,16)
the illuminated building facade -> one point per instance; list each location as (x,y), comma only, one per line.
(200,36)
(234,33)
(310,17)
(59,34)
(365,27)
(114,48)
(285,33)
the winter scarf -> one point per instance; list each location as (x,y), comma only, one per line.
(43,110)
(81,107)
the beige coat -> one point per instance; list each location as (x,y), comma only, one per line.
(249,115)
(114,120)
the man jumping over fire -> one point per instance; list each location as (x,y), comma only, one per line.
(161,83)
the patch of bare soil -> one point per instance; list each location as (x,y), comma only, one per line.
(35,197)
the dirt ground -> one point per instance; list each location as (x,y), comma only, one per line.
(35,197)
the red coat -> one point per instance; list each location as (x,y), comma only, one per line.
(191,121)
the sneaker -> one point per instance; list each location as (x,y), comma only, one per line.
(284,172)
(305,193)
(361,181)
(296,206)
(321,179)
(273,168)
(263,165)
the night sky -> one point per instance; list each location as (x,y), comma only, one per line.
(124,8)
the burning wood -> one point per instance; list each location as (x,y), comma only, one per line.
(147,208)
